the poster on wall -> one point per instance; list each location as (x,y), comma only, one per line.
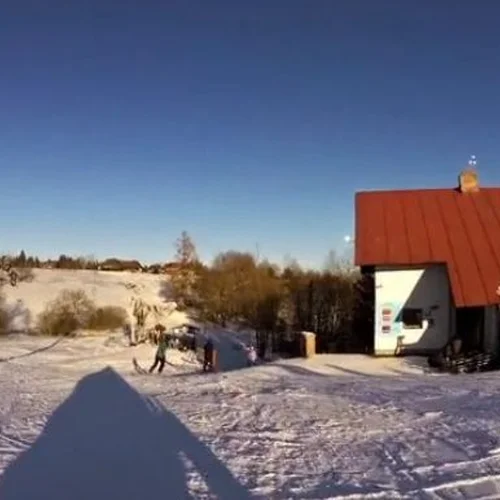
(387,319)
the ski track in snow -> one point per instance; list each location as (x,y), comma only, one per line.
(290,429)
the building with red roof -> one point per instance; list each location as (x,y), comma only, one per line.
(435,254)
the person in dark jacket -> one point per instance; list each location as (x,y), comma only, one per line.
(208,349)
(160,356)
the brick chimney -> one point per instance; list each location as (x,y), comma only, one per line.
(468,180)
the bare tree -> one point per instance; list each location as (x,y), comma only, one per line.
(331,262)
(185,250)
(90,262)
(337,264)
(291,263)
(184,279)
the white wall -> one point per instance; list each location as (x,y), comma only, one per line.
(418,288)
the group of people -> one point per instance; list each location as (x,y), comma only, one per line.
(209,354)
(161,354)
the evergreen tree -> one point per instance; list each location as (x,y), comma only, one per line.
(21,259)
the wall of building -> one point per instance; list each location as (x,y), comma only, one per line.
(491,329)
(423,289)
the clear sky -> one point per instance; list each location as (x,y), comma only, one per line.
(243,122)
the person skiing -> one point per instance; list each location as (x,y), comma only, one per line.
(251,355)
(160,356)
(208,353)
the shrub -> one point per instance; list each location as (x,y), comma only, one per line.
(107,318)
(13,276)
(73,310)
(70,311)
(57,322)
(25,274)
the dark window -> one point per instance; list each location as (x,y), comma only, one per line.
(412,318)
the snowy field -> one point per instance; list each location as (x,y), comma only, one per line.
(29,299)
(76,422)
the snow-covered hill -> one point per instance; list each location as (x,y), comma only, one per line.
(77,422)
(105,288)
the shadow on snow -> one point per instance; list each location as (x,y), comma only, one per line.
(107,441)
(35,351)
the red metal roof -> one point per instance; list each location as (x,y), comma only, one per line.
(428,226)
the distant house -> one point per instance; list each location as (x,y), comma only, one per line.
(132,265)
(121,265)
(435,256)
(171,267)
(154,269)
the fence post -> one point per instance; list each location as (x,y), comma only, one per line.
(308,341)
(215,361)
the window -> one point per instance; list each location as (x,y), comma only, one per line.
(412,318)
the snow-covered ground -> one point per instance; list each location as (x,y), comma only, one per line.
(29,299)
(77,422)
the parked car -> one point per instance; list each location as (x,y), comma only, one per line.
(187,342)
(186,328)
(183,341)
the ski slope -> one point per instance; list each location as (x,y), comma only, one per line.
(29,299)
(77,422)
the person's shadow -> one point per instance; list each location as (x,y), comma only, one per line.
(107,441)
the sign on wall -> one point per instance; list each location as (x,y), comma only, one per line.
(387,319)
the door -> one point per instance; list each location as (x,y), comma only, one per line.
(470,327)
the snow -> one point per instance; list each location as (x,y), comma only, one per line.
(29,299)
(77,421)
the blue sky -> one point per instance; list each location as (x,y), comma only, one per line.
(245,123)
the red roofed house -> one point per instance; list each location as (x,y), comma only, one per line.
(435,254)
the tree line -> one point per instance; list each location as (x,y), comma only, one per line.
(22,260)
(237,288)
